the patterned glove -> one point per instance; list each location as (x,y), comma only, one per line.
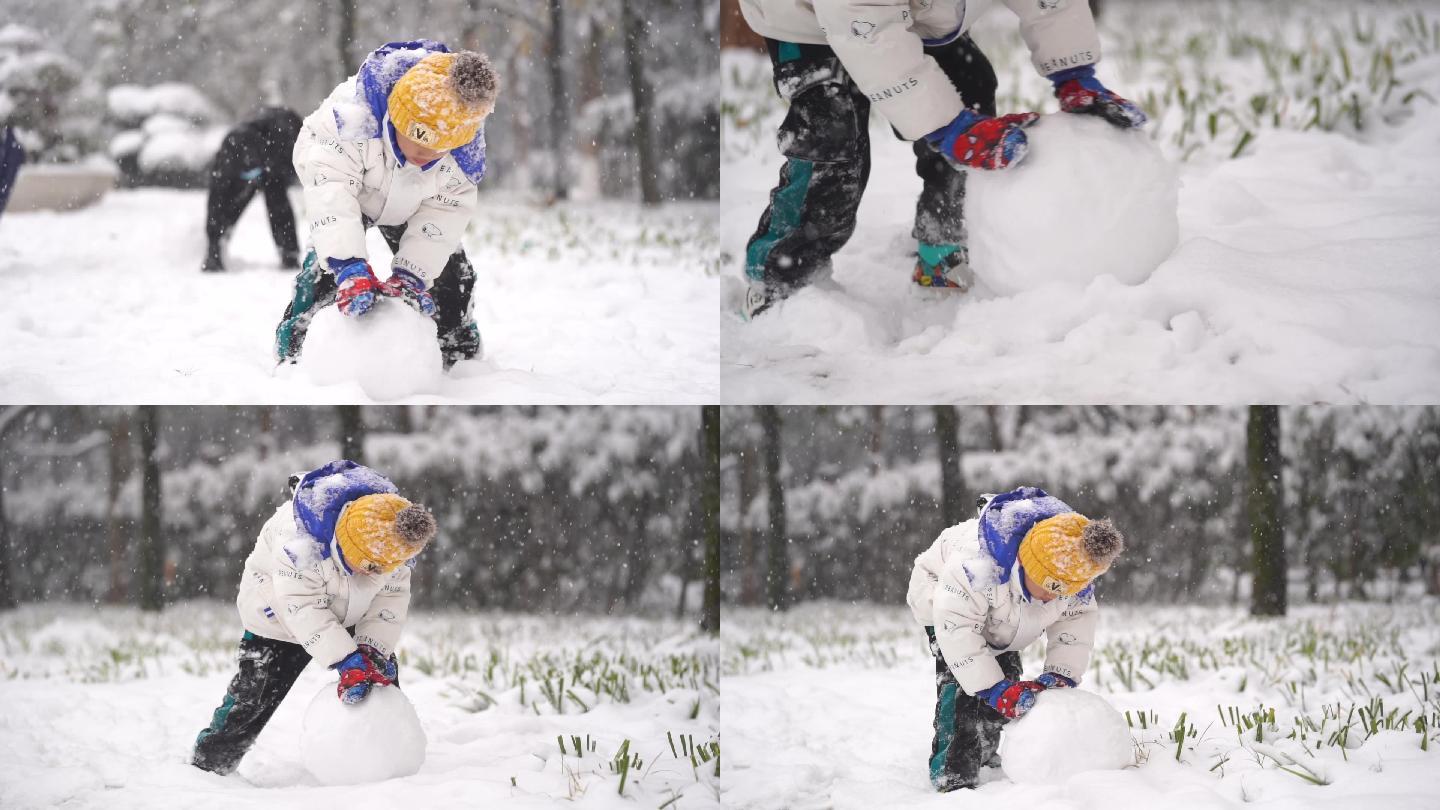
(357,285)
(979,141)
(357,674)
(1054,680)
(1080,92)
(1011,699)
(389,665)
(408,287)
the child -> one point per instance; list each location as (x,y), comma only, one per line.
(400,145)
(914,62)
(337,555)
(984,591)
(254,156)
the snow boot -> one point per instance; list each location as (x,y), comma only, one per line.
(943,267)
(213,262)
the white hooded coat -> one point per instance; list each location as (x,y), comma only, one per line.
(346,177)
(954,588)
(288,593)
(882,43)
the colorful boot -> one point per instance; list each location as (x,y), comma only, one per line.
(943,267)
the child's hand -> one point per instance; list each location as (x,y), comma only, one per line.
(1054,680)
(358,674)
(357,286)
(408,287)
(979,141)
(389,665)
(1011,699)
(1080,92)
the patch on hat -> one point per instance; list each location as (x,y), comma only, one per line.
(420,133)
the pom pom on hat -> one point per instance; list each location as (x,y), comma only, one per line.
(442,100)
(378,533)
(1066,552)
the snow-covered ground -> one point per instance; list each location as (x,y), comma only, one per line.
(601,302)
(1305,270)
(829,706)
(100,708)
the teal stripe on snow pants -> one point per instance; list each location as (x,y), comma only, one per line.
(967,732)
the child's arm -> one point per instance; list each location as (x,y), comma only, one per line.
(304,609)
(960,613)
(433,232)
(1060,37)
(1069,641)
(887,60)
(331,173)
(381,625)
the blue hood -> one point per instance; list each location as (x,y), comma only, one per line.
(322,494)
(1009,517)
(377,77)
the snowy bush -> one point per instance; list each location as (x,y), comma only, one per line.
(167,133)
(43,95)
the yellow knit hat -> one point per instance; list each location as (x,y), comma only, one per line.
(442,100)
(378,533)
(1065,552)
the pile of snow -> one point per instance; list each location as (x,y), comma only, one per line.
(1088,199)
(1069,731)
(390,351)
(376,739)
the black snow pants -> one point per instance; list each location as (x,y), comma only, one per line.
(453,291)
(238,172)
(826,143)
(268,669)
(967,730)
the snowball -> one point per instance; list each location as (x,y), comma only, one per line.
(391,351)
(1067,731)
(376,739)
(1088,199)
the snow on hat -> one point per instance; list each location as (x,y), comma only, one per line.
(378,533)
(443,99)
(1065,552)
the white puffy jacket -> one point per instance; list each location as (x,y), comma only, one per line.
(881,44)
(288,593)
(345,178)
(954,588)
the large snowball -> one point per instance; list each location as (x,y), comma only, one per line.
(346,744)
(1088,199)
(1068,731)
(390,351)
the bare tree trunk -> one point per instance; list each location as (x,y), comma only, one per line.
(641,96)
(152,544)
(265,442)
(345,38)
(352,433)
(559,104)
(710,500)
(749,568)
(777,560)
(953,505)
(121,459)
(1263,504)
(9,417)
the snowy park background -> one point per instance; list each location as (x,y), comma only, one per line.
(555,617)
(1333,702)
(1306,135)
(594,243)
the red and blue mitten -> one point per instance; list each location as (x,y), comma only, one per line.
(978,141)
(358,673)
(356,284)
(1080,92)
(410,288)
(1011,699)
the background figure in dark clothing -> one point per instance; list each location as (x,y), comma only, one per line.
(256,156)
(11,156)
